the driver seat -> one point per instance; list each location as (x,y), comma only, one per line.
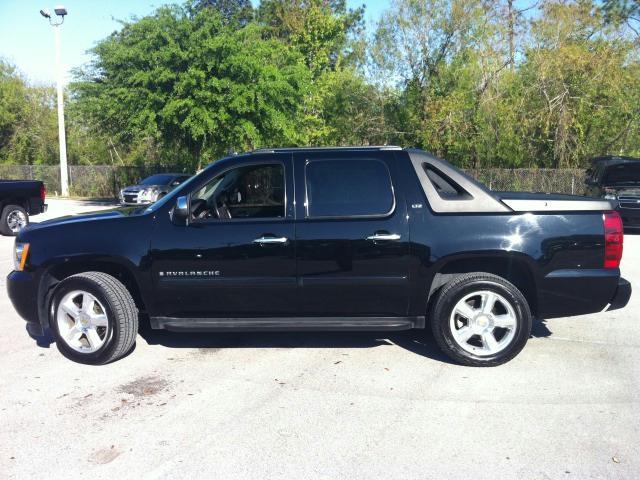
(224,212)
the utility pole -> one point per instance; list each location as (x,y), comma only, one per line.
(512,34)
(62,137)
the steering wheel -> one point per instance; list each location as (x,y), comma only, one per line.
(199,208)
(220,211)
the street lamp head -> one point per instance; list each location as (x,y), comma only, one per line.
(60,10)
(45,13)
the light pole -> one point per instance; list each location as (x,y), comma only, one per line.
(62,138)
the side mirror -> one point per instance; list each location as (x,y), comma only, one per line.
(180,213)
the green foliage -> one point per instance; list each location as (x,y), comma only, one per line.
(190,83)
(318,29)
(571,93)
(28,132)
(485,84)
(234,12)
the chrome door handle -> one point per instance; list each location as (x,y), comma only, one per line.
(270,240)
(381,237)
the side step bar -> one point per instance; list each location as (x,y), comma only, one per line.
(286,324)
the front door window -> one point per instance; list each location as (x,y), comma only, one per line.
(253,191)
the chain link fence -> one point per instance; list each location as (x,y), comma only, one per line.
(547,180)
(104,181)
(92,181)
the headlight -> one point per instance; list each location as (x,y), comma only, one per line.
(21,252)
(610,194)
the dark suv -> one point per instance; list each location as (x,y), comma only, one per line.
(617,179)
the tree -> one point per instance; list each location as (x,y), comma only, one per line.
(319,29)
(234,12)
(509,83)
(570,92)
(28,125)
(191,83)
(623,11)
(580,86)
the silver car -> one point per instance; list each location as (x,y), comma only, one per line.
(151,188)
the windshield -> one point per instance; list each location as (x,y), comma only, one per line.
(623,173)
(161,179)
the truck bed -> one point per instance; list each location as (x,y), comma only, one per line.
(528,201)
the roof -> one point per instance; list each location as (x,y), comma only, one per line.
(306,149)
(611,159)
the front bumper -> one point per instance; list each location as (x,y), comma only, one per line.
(22,288)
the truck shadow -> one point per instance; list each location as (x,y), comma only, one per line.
(419,342)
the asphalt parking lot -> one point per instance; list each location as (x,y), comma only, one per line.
(325,405)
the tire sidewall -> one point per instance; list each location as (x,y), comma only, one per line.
(444,308)
(113,330)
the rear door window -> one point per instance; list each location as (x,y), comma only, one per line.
(348,188)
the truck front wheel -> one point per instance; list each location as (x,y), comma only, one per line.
(480,319)
(94,318)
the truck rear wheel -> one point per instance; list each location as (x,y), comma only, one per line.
(13,219)
(480,320)
(94,318)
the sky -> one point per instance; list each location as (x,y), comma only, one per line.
(26,40)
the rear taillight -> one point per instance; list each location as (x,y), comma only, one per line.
(43,192)
(613,239)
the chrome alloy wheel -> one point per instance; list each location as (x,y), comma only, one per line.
(16,220)
(82,321)
(483,323)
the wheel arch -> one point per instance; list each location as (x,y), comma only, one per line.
(514,267)
(15,201)
(56,273)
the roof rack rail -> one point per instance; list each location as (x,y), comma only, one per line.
(296,149)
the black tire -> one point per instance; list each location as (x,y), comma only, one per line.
(465,285)
(120,309)
(7,213)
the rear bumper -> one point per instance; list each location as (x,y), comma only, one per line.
(37,207)
(565,293)
(630,217)
(622,295)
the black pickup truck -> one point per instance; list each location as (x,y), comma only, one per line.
(322,239)
(18,200)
